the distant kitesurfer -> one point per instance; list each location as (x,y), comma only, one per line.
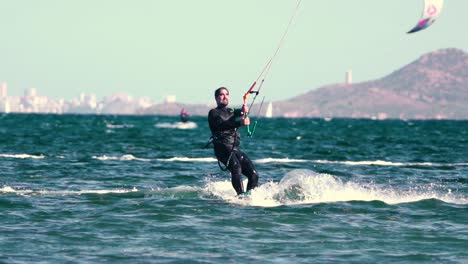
(183,115)
(223,122)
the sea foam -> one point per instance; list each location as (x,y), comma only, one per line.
(177,125)
(22,156)
(123,157)
(8,189)
(307,187)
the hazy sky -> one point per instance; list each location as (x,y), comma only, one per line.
(188,48)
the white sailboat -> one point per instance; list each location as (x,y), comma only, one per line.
(269,110)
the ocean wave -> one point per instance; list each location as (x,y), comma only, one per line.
(123,157)
(389,163)
(188,159)
(359,163)
(344,162)
(119,126)
(308,187)
(22,156)
(279,160)
(8,189)
(177,125)
(130,157)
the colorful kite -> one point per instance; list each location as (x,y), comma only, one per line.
(431,10)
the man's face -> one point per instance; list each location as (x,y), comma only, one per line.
(223,98)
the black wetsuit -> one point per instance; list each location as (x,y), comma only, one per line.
(223,123)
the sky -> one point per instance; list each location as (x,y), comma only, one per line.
(188,48)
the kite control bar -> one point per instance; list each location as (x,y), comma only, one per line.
(250,91)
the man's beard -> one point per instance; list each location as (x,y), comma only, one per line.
(223,103)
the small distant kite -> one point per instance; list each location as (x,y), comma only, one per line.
(431,10)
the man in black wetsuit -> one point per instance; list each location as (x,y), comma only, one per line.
(223,123)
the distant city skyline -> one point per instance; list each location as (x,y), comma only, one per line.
(33,102)
(160,48)
(33,91)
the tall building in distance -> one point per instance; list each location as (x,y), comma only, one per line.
(349,77)
(88,100)
(4,102)
(170,99)
(3,90)
(30,92)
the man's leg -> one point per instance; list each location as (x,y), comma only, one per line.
(236,173)
(248,169)
(232,162)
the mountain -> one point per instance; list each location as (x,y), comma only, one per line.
(435,86)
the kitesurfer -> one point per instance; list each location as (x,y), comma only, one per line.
(183,115)
(223,122)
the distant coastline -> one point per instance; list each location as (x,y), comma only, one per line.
(435,86)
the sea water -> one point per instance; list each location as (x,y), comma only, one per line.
(142,189)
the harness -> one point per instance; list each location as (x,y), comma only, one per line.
(212,139)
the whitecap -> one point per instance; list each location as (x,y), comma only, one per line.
(189,159)
(387,163)
(279,160)
(22,156)
(177,125)
(307,187)
(123,157)
(119,126)
(8,189)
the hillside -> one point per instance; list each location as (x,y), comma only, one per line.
(433,86)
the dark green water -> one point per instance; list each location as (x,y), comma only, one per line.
(140,189)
